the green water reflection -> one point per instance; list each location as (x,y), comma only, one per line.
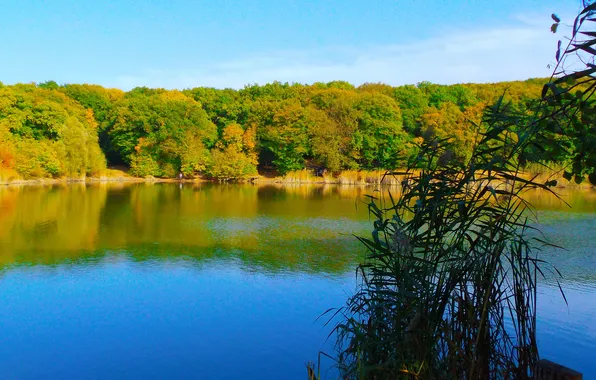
(306,228)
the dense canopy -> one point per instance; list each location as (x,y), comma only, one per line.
(51,130)
(44,133)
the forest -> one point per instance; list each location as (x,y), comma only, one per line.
(49,130)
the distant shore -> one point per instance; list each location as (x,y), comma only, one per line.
(353,178)
(88,180)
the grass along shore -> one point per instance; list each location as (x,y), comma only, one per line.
(539,171)
(9,177)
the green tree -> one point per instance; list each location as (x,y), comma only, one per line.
(151,128)
(283,131)
(222,106)
(48,134)
(332,135)
(103,102)
(384,143)
(234,156)
(413,104)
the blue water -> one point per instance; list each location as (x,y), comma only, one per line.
(161,282)
(567,331)
(116,318)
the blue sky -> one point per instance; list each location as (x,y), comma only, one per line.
(188,43)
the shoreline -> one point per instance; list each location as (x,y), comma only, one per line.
(92,180)
(260,180)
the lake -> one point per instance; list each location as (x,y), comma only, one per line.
(154,281)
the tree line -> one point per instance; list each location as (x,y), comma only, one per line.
(73,130)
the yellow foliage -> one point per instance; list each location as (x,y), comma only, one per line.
(249,139)
(300,176)
(232,136)
(174,95)
(8,174)
(90,118)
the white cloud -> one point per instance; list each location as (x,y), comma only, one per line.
(518,51)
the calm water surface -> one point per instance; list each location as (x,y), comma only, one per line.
(219,282)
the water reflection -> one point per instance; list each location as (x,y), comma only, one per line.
(305,227)
(245,269)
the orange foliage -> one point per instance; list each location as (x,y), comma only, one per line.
(140,145)
(6,158)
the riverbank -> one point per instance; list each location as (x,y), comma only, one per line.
(57,181)
(380,177)
(301,177)
(109,175)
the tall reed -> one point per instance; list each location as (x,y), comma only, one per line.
(448,288)
(300,176)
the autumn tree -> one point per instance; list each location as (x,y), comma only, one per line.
(103,102)
(44,133)
(234,156)
(152,128)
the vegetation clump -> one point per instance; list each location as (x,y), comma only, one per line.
(333,128)
(46,134)
(449,284)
